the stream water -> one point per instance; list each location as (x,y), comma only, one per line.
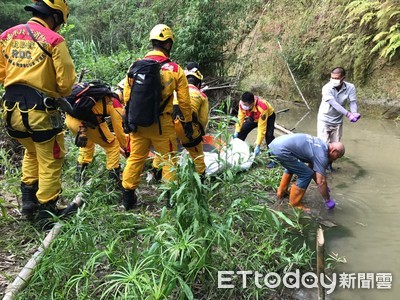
(366,188)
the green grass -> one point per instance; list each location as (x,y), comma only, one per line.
(106,253)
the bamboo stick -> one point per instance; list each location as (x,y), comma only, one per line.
(295,125)
(283,129)
(22,279)
(320,262)
(220,87)
(294,80)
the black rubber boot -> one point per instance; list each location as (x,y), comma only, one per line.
(46,213)
(168,200)
(157,174)
(71,209)
(129,199)
(30,203)
(115,174)
(203,177)
(80,169)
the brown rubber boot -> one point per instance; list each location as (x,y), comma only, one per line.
(296,194)
(283,186)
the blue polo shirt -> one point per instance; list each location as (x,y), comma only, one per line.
(303,147)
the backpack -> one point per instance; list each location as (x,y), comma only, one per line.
(143,108)
(84,97)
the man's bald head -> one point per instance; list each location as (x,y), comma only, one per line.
(335,150)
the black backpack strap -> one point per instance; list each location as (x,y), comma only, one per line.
(104,108)
(162,107)
(103,136)
(36,41)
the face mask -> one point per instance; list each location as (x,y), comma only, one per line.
(335,82)
(246,107)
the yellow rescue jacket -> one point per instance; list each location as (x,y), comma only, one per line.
(23,62)
(260,112)
(172,79)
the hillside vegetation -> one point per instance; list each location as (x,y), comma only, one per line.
(240,39)
(362,36)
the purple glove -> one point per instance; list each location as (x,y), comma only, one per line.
(353,117)
(330,204)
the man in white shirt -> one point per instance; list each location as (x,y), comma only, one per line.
(335,95)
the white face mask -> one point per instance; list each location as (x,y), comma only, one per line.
(335,82)
(246,107)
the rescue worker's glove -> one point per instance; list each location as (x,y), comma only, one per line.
(330,203)
(127,152)
(353,117)
(188,129)
(81,138)
(235,135)
(257,150)
(176,112)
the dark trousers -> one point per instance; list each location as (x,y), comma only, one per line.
(248,126)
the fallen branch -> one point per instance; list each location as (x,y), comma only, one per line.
(282,111)
(219,87)
(294,80)
(283,129)
(23,278)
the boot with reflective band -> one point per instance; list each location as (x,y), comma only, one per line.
(283,187)
(296,194)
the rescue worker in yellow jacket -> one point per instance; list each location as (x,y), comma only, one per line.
(255,112)
(119,90)
(102,136)
(34,64)
(161,134)
(199,102)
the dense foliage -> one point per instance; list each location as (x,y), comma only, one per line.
(103,252)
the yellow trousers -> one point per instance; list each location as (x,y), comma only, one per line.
(43,162)
(197,155)
(140,143)
(111,146)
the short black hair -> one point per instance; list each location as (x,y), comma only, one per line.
(160,44)
(339,70)
(248,97)
(193,80)
(191,65)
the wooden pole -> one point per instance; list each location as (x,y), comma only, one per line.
(294,80)
(22,279)
(282,129)
(320,262)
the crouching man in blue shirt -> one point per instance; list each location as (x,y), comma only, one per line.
(294,151)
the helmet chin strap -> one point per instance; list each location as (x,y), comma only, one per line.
(56,23)
(165,49)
